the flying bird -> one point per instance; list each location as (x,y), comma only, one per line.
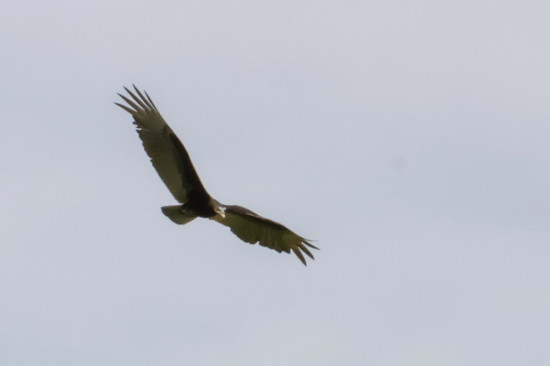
(173,164)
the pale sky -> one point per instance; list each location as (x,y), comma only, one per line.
(409,139)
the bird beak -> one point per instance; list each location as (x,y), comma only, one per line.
(221,211)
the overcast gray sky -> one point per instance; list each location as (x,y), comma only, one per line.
(410,139)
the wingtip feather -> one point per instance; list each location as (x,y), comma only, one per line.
(307,242)
(131,111)
(136,98)
(142,98)
(306,250)
(130,102)
(299,255)
(150,100)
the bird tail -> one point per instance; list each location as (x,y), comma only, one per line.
(176,214)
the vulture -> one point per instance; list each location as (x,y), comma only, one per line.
(173,164)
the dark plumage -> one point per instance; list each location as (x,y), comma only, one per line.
(174,166)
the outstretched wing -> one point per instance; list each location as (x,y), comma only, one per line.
(253,228)
(167,153)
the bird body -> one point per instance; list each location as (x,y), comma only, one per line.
(173,164)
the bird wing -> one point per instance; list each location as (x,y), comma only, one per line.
(253,228)
(167,153)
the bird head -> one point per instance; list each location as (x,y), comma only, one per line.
(220,210)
